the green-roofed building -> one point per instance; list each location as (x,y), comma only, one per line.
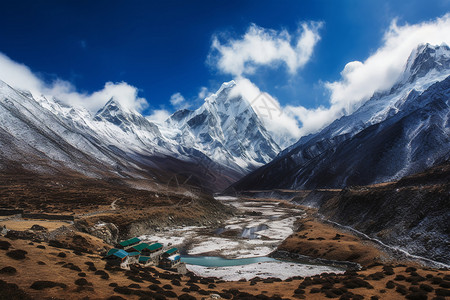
(138,247)
(130,242)
(144,259)
(155,247)
(170,252)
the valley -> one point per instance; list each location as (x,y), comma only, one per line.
(68,262)
(348,201)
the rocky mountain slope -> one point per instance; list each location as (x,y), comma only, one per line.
(205,148)
(411,213)
(395,133)
(226,128)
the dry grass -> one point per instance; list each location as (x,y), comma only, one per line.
(317,239)
(21,225)
(45,265)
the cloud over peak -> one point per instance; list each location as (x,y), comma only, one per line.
(265,47)
(360,80)
(379,72)
(20,76)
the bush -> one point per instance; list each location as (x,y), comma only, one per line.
(443,292)
(123,290)
(44,284)
(81,282)
(8,270)
(4,245)
(17,254)
(12,291)
(186,297)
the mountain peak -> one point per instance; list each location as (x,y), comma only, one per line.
(225,88)
(114,105)
(114,108)
(426,58)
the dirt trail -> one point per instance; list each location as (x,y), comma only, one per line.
(113,205)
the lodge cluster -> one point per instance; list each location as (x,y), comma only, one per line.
(134,251)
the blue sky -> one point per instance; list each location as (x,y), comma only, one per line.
(162,47)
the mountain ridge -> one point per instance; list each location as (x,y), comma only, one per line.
(299,165)
(117,141)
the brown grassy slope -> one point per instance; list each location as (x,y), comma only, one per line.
(67,268)
(316,239)
(90,199)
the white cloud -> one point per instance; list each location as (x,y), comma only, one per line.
(178,101)
(203,93)
(379,71)
(360,80)
(158,116)
(121,91)
(20,76)
(265,47)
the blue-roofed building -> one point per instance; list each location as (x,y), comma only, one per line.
(117,254)
(170,261)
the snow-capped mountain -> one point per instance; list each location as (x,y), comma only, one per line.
(227,129)
(37,139)
(395,133)
(216,144)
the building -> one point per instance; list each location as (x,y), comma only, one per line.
(133,257)
(129,243)
(138,247)
(146,261)
(118,255)
(135,252)
(153,249)
(170,261)
(170,252)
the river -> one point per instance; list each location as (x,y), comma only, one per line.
(240,246)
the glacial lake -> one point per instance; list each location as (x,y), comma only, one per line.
(216,261)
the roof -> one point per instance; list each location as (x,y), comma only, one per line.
(174,257)
(121,253)
(171,251)
(144,258)
(134,253)
(154,246)
(129,242)
(140,247)
(111,251)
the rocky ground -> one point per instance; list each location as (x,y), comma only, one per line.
(44,271)
(48,259)
(71,267)
(256,229)
(134,208)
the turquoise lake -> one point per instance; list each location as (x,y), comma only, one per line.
(215,261)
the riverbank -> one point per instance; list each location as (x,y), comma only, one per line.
(70,269)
